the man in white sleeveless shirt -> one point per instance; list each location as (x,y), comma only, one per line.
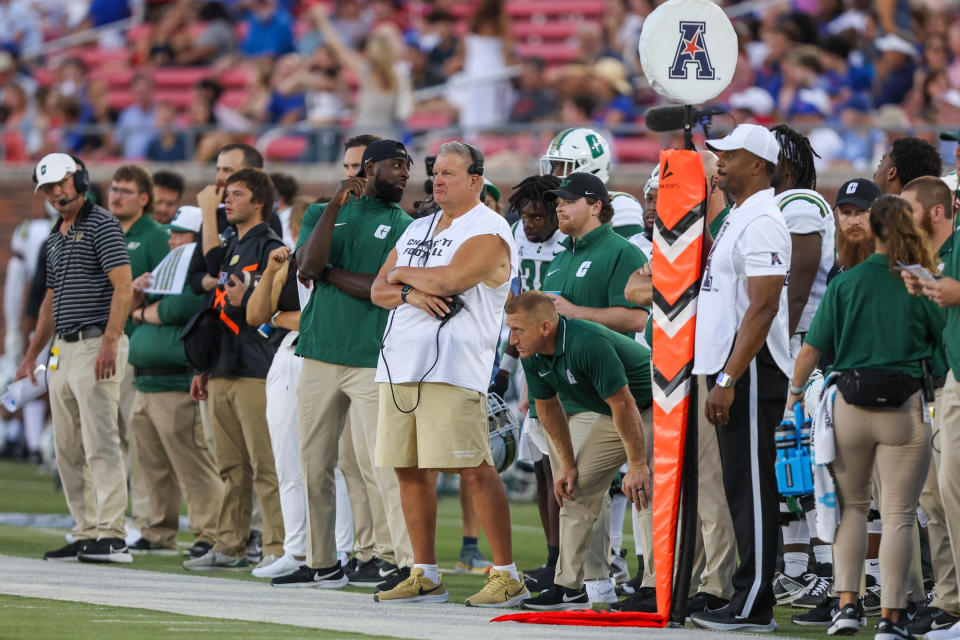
(742,348)
(447,282)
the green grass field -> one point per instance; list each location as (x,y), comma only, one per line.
(25,490)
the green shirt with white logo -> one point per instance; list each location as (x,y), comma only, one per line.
(158,347)
(590,364)
(951,334)
(336,327)
(147,244)
(594,270)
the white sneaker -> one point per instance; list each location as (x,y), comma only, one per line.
(951,633)
(133,534)
(602,591)
(282,566)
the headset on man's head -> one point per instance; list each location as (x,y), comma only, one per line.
(81,177)
(476,166)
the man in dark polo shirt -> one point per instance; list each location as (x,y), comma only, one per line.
(86,304)
(568,360)
(236,385)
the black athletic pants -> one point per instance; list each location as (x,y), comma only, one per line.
(747,457)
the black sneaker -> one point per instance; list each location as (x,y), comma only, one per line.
(198,550)
(371,573)
(931,619)
(394,579)
(847,620)
(145,546)
(819,616)
(703,601)
(643,600)
(112,550)
(540,578)
(67,553)
(888,630)
(255,547)
(723,619)
(329,578)
(871,599)
(632,585)
(814,593)
(558,598)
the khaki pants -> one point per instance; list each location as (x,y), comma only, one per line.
(716,542)
(948,476)
(175,460)
(244,459)
(897,443)
(643,518)
(87,439)
(139,493)
(599,454)
(944,571)
(327,395)
(359,497)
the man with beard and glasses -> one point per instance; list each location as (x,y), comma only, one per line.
(852,216)
(342,245)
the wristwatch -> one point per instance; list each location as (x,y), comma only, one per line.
(725,380)
(273,319)
(404,290)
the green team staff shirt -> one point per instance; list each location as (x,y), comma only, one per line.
(866,305)
(938,364)
(147,245)
(594,270)
(718,221)
(951,334)
(158,346)
(591,364)
(336,327)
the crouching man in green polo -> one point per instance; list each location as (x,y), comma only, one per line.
(567,360)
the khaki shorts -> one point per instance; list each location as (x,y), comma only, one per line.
(448,430)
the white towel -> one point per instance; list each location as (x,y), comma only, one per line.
(824,448)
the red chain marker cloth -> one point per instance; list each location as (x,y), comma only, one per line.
(677,253)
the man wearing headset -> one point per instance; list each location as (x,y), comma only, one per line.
(86,305)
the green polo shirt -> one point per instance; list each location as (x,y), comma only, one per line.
(147,244)
(159,347)
(594,270)
(591,363)
(938,364)
(951,334)
(718,222)
(870,321)
(335,327)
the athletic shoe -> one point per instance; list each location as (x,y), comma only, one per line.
(724,620)
(888,630)
(416,588)
(327,578)
(559,598)
(847,620)
(471,560)
(67,553)
(394,579)
(601,591)
(618,567)
(871,599)
(643,600)
(500,591)
(815,593)
(276,567)
(370,573)
(703,601)
(145,546)
(254,547)
(820,616)
(131,534)
(787,589)
(198,550)
(931,618)
(540,578)
(631,586)
(216,560)
(112,550)
(951,633)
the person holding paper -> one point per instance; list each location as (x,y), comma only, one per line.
(172,449)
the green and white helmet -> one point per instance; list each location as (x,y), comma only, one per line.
(578,150)
(504,432)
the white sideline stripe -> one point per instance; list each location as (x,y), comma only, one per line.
(212,597)
(754,453)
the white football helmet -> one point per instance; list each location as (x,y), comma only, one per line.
(504,432)
(578,150)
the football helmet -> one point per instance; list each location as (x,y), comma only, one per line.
(578,150)
(504,432)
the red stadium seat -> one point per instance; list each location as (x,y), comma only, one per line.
(182,77)
(286,149)
(234,98)
(632,150)
(428,121)
(118,79)
(551,30)
(551,53)
(559,8)
(234,78)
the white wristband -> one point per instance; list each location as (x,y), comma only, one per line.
(508,362)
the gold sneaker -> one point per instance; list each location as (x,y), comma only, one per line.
(500,591)
(416,588)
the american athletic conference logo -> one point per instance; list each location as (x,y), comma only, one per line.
(692,49)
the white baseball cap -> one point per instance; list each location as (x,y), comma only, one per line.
(758,140)
(894,42)
(187,218)
(52,169)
